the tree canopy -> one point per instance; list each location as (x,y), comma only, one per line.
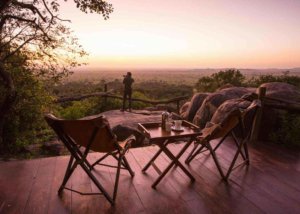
(34,37)
(219,79)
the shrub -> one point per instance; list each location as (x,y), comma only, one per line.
(221,78)
(25,121)
(285,77)
(288,132)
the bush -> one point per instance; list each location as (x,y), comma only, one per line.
(285,77)
(76,109)
(25,121)
(217,80)
(288,132)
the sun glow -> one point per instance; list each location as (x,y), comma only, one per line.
(132,43)
(189,34)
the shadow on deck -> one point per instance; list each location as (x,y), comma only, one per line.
(270,184)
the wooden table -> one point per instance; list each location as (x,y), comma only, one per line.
(162,138)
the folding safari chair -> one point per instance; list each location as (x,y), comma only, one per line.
(236,120)
(81,136)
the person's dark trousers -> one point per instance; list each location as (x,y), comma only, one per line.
(127,94)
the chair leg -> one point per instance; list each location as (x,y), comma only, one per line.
(221,141)
(115,157)
(127,166)
(69,171)
(101,159)
(235,139)
(96,182)
(246,153)
(239,151)
(117,177)
(152,160)
(191,153)
(212,152)
(194,153)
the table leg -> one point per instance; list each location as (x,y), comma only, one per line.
(175,160)
(153,158)
(177,163)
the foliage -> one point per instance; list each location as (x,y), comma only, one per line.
(159,90)
(288,132)
(285,77)
(25,120)
(219,79)
(76,109)
(35,45)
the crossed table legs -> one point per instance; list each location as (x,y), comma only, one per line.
(174,161)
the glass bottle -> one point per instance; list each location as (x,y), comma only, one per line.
(164,118)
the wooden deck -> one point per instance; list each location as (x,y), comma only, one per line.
(271,184)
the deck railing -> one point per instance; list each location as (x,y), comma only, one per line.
(109,94)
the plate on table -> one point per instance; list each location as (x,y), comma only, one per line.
(177,130)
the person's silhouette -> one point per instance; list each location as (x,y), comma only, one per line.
(128,80)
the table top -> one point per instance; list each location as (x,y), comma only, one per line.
(153,131)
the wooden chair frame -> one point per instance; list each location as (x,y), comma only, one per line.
(203,143)
(79,157)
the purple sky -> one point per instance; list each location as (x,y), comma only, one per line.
(191,33)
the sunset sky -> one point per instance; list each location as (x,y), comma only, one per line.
(191,34)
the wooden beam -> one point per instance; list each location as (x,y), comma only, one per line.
(109,95)
(153,102)
(81,97)
(257,120)
(291,107)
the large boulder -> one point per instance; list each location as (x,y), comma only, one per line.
(123,132)
(195,104)
(230,107)
(227,108)
(183,110)
(283,91)
(213,101)
(270,120)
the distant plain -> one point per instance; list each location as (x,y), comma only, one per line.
(174,76)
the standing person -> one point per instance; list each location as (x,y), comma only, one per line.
(128,80)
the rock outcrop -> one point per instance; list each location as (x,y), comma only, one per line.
(123,132)
(283,91)
(183,110)
(271,118)
(214,107)
(213,101)
(227,108)
(123,124)
(195,104)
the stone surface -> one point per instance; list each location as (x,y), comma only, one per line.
(196,103)
(131,119)
(282,91)
(123,132)
(183,110)
(270,121)
(54,147)
(125,123)
(227,107)
(213,101)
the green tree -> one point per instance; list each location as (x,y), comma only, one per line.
(285,77)
(33,34)
(219,79)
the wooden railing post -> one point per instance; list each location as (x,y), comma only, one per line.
(105,97)
(178,104)
(258,116)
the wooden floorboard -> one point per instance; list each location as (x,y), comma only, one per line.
(16,181)
(59,204)
(232,192)
(217,191)
(269,185)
